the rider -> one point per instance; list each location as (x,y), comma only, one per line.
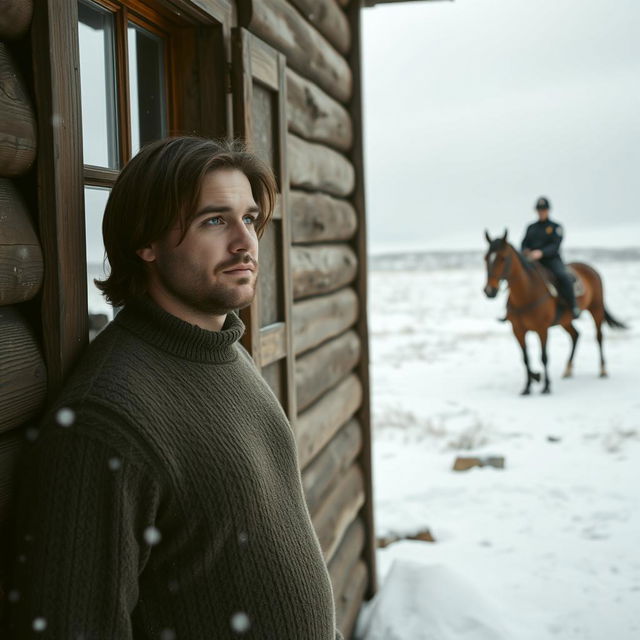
(542,242)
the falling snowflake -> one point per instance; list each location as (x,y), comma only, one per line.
(115,463)
(65,417)
(13,595)
(31,434)
(167,634)
(173,586)
(243,538)
(152,535)
(240,622)
(39,624)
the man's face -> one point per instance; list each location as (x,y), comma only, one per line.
(543,214)
(215,268)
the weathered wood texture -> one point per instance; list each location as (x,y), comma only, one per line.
(317,217)
(21,268)
(339,510)
(320,369)
(15,18)
(56,65)
(321,475)
(317,168)
(10,448)
(318,319)
(346,556)
(307,51)
(22,371)
(321,421)
(17,121)
(349,601)
(314,115)
(321,269)
(328,18)
(354,13)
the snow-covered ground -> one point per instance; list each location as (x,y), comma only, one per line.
(548,547)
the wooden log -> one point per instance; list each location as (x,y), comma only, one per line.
(21,267)
(317,425)
(317,168)
(314,115)
(22,371)
(324,367)
(321,269)
(318,319)
(10,448)
(347,555)
(321,475)
(17,122)
(15,18)
(349,601)
(329,19)
(339,510)
(317,217)
(307,50)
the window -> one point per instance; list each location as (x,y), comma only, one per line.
(126,103)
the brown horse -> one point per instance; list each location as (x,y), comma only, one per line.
(532,307)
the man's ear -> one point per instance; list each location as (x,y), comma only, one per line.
(147,254)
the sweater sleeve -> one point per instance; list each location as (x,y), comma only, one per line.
(83,514)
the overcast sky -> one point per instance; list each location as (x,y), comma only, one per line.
(474,108)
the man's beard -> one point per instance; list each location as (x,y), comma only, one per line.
(194,289)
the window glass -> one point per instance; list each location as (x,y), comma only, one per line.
(97,85)
(100,311)
(146,87)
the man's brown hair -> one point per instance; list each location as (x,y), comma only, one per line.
(161,186)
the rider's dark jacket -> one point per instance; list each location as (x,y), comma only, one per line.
(546,236)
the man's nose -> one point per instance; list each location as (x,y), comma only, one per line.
(243,238)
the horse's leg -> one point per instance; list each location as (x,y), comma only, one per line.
(520,337)
(598,319)
(543,344)
(573,332)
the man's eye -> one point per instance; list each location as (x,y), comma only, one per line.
(213,222)
(249,219)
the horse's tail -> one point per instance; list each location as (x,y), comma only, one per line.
(612,322)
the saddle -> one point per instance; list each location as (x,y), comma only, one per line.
(551,280)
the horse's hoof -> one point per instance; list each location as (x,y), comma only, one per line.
(526,392)
(546,391)
(567,375)
(604,374)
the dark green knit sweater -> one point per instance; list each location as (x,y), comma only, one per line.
(162,498)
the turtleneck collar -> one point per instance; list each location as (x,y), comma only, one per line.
(157,327)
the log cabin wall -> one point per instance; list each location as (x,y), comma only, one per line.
(320,41)
(294,86)
(23,376)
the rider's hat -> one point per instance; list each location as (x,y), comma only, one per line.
(542,203)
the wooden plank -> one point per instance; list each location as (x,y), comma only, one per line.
(349,601)
(21,267)
(15,18)
(318,168)
(321,269)
(319,370)
(320,422)
(60,189)
(318,319)
(11,445)
(23,374)
(273,343)
(17,120)
(346,556)
(322,474)
(360,245)
(329,19)
(307,51)
(339,510)
(314,115)
(318,217)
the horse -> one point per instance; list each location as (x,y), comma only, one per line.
(531,305)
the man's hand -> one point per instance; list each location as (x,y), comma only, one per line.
(533,254)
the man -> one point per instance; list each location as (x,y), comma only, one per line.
(542,242)
(161,498)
